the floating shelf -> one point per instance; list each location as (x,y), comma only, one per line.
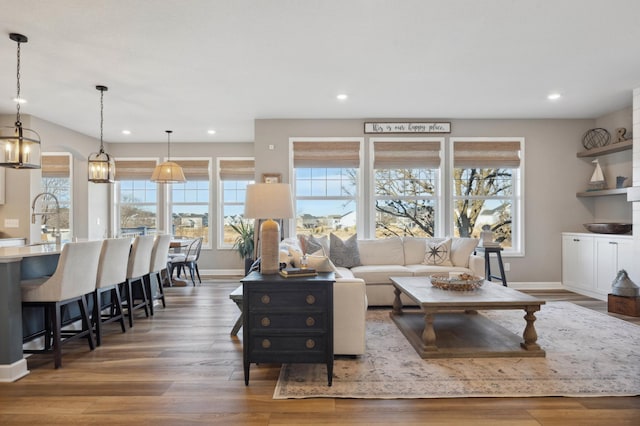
(617,191)
(608,149)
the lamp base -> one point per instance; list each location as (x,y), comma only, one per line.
(270,247)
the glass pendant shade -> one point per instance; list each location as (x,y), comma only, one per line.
(19,146)
(168,172)
(101,166)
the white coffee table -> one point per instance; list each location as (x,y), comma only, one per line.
(448,324)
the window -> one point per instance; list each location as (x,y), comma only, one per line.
(406,180)
(235,174)
(326,179)
(136,197)
(487,189)
(56,180)
(189,206)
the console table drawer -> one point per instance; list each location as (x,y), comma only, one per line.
(270,321)
(302,345)
(271,298)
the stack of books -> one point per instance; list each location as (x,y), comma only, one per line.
(298,272)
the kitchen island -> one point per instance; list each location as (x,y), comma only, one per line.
(18,263)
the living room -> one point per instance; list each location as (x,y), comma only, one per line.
(592,46)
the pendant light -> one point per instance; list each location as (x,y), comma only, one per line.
(19,146)
(101,167)
(168,172)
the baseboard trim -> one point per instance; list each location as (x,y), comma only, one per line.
(536,285)
(13,372)
(222,272)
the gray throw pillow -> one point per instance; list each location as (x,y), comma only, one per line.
(312,246)
(344,253)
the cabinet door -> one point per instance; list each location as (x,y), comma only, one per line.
(612,254)
(577,261)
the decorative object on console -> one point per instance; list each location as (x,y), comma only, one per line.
(269,201)
(620,181)
(456,282)
(19,146)
(438,253)
(621,135)
(486,237)
(623,286)
(344,252)
(595,138)
(101,166)
(168,172)
(597,181)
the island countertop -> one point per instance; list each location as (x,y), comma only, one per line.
(11,254)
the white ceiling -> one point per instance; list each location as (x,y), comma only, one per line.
(192,65)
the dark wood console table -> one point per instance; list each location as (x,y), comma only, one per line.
(288,320)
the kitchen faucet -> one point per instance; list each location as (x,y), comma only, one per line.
(45,213)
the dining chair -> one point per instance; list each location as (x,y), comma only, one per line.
(189,260)
(112,273)
(74,278)
(157,267)
(137,268)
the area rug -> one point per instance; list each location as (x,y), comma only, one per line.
(589,354)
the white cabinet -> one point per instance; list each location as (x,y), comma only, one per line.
(613,254)
(577,262)
(590,262)
(2,185)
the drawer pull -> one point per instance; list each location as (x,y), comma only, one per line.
(310,322)
(266,343)
(265,299)
(265,322)
(311,299)
(310,344)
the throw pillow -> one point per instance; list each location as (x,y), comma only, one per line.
(344,253)
(438,252)
(322,240)
(312,246)
(322,263)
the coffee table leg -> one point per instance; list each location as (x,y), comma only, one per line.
(397,304)
(530,336)
(429,333)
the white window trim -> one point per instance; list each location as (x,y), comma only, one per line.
(517,250)
(219,201)
(72,197)
(360,198)
(440,211)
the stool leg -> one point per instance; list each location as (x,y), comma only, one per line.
(56,323)
(487,266)
(503,277)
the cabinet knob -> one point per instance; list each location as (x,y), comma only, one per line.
(311,299)
(265,322)
(310,343)
(266,343)
(265,299)
(310,322)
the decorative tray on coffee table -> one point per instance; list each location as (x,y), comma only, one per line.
(461,282)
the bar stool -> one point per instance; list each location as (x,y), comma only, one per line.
(112,272)
(487,263)
(137,268)
(73,279)
(158,264)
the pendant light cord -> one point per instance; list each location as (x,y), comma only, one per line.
(18,123)
(169,144)
(101,118)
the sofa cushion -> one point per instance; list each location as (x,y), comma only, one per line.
(438,252)
(414,249)
(344,252)
(383,251)
(373,274)
(322,263)
(461,249)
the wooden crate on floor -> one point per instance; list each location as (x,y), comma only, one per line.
(624,305)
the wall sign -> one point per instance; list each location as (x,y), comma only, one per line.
(407,127)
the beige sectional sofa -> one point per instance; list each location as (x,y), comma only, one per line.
(369,284)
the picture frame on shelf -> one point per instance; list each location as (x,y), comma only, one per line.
(272,178)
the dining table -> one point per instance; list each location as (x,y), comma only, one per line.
(16,264)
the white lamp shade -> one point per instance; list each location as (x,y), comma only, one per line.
(168,172)
(268,201)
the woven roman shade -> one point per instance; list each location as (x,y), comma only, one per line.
(326,154)
(403,155)
(134,169)
(486,155)
(55,166)
(237,169)
(194,169)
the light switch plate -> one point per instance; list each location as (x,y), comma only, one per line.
(12,223)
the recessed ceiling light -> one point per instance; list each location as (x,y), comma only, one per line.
(211,132)
(342,97)
(554,96)
(20,100)
(126,132)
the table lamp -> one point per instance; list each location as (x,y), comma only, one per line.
(269,201)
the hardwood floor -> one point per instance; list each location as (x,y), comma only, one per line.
(182,367)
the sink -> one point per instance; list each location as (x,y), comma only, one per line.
(609,227)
